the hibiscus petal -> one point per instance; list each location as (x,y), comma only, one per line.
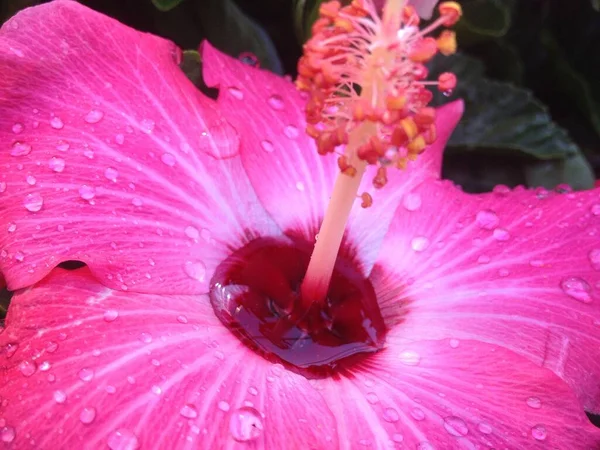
(424,7)
(433,395)
(291,179)
(112,157)
(84,366)
(518,269)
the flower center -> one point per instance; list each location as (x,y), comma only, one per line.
(256,294)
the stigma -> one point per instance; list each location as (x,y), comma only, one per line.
(366,71)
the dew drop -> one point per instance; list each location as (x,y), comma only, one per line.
(577,288)
(56,123)
(596,209)
(56,164)
(291,131)
(276,102)
(33,202)
(539,432)
(397,438)
(267,146)
(189,411)
(111,174)
(412,202)
(136,201)
(168,159)
(417,414)
(534,402)
(501,189)
(110,315)
(419,243)
(192,232)
(30,180)
(195,270)
(147,125)
(86,374)
(182,319)
(59,397)
(372,398)
(487,219)
(484,428)
(7,434)
(236,93)
(391,415)
(11,227)
(123,439)
(223,406)
(19,256)
(62,146)
(94,116)
(2,187)
(120,139)
(250,59)
(156,390)
(502,235)
(44,366)
(87,192)
(27,368)
(146,338)
(87,415)
(20,149)
(245,424)
(455,426)
(17,128)
(594,257)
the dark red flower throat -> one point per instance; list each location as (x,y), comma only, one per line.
(256,294)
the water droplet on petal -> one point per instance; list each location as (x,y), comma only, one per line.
(539,432)
(594,256)
(412,202)
(502,235)
(59,397)
(147,125)
(2,187)
(189,411)
(501,189)
(419,243)
(223,406)
(56,123)
(192,232)
(87,192)
(7,434)
(19,256)
(27,368)
(30,180)
(276,102)
(245,424)
(372,397)
(577,288)
(56,164)
(63,146)
(534,402)
(20,149)
(86,374)
(110,315)
(11,227)
(33,202)
(111,174)
(596,209)
(455,426)
(391,415)
(291,131)
(410,358)
(417,414)
(487,219)
(120,139)
(454,343)
(195,270)
(136,201)
(267,146)
(17,128)
(236,93)
(146,338)
(94,116)
(182,319)
(122,439)
(168,159)
(484,428)
(87,415)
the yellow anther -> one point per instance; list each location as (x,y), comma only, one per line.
(410,127)
(446,42)
(416,146)
(451,12)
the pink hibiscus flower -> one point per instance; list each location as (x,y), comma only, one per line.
(485,309)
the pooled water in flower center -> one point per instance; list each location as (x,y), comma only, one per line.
(255,293)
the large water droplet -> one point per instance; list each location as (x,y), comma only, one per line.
(594,257)
(276,102)
(59,397)
(123,439)
(192,232)
(534,402)
(56,164)
(86,374)
(56,123)
(502,235)
(419,243)
(87,415)
(168,159)
(94,116)
(417,414)
(33,202)
(487,219)
(27,368)
(87,192)
(596,209)
(245,424)
(189,411)
(412,202)
(235,92)
(267,146)
(110,315)
(455,426)
(539,432)
(111,174)
(7,434)
(577,288)
(195,270)
(391,415)
(223,406)
(20,149)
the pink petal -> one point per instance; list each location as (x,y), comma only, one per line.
(516,269)
(112,157)
(88,367)
(84,366)
(424,7)
(291,179)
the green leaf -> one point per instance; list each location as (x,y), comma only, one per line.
(574,171)
(166,5)
(191,65)
(596,4)
(305,14)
